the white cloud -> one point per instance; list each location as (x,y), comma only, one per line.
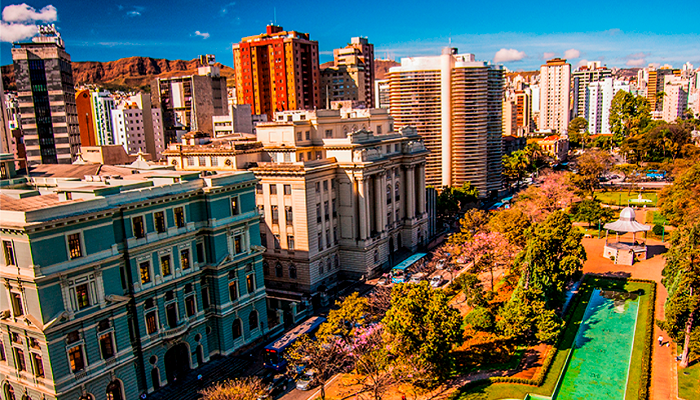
(19,21)
(581,63)
(549,54)
(15,32)
(224,9)
(24,13)
(571,54)
(508,55)
(204,35)
(133,14)
(636,62)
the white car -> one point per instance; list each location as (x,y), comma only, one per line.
(436,281)
(417,278)
(306,381)
(441,264)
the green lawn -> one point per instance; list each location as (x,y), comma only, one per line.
(688,379)
(621,197)
(495,391)
(655,218)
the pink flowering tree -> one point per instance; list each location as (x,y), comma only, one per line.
(488,251)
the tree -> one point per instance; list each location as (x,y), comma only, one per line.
(423,328)
(473,222)
(590,210)
(235,389)
(352,312)
(555,193)
(488,251)
(465,194)
(470,285)
(578,132)
(535,156)
(515,166)
(512,223)
(682,279)
(373,360)
(325,356)
(680,202)
(629,114)
(453,199)
(591,165)
(526,313)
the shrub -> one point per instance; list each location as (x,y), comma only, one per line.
(481,319)
(657,230)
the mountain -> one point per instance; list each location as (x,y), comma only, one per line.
(131,72)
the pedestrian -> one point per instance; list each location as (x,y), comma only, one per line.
(661,340)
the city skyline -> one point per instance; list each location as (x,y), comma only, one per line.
(521,39)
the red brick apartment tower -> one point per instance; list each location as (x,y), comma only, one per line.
(277,71)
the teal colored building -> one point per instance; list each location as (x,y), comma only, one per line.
(117,283)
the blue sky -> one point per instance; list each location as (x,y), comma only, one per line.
(518,34)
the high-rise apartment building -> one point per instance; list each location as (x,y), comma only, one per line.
(94,117)
(675,99)
(381,93)
(44,79)
(598,100)
(277,71)
(118,283)
(555,85)
(655,85)
(352,75)
(188,102)
(133,129)
(455,103)
(591,72)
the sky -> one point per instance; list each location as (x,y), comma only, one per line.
(517,34)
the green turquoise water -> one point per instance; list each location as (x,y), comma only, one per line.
(600,360)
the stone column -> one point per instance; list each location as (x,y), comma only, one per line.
(385,207)
(378,196)
(410,196)
(420,171)
(362,204)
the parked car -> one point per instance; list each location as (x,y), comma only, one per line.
(436,281)
(417,278)
(307,380)
(441,264)
(276,384)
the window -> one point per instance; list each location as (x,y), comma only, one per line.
(318,187)
(199,248)
(329,133)
(139,228)
(288,215)
(328,237)
(237,244)
(233,290)
(307,135)
(179,217)
(151,322)
(250,283)
(278,270)
(2,353)
(397,193)
(77,361)
(185,259)
(290,242)
(253,320)
(37,364)
(320,243)
(17,308)
(325,210)
(74,246)
(205,297)
(275,215)
(293,271)
(9,252)
(202,161)
(388,194)
(320,267)
(299,136)
(335,210)
(160,221)
(165,265)
(145,270)
(335,235)
(237,329)
(19,359)
(287,190)
(273,189)
(190,307)
(82,295)
(276,238)
(234,206)
(106,346)
(214,161)
(259,188)
(379,129)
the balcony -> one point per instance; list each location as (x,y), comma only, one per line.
(174,332)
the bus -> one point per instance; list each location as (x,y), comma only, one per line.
(399,273)
(273,357)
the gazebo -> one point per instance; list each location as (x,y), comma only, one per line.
(625,253)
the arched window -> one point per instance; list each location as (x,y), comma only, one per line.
(328,265)
(266,268)
(336,261)
(9,392)
(397,193)
(320,267)
(388,194)
(237,329)
(114,391)
(293,271)
(278,270)
(253,320)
